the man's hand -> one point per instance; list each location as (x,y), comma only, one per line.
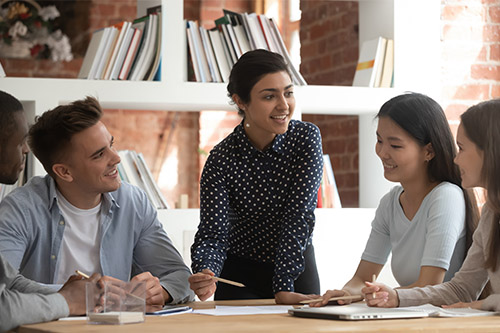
(202,284)
(288,297)
(155,294)
(74,293)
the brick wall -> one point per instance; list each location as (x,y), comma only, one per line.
(329,52)
(470,55)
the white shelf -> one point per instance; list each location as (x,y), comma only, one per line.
(136,95)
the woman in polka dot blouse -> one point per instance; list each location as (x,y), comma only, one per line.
(258,193)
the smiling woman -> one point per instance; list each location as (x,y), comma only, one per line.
(258,193)
(427,221)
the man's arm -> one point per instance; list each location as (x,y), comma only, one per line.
(15,231)
(155,253)
(23,301)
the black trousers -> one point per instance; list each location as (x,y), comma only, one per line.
(257,277)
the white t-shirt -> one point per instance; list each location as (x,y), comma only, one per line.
(80,244)
(434,237)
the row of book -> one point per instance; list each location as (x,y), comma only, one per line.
(125,51)
(328,194)
(213,52)
(134,170)
(376,64)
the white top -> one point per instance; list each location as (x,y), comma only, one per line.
(434,237)
(80,243)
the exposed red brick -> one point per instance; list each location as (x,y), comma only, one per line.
(491,33)
(453,111)
(494,14)
(463,32)
(467,92)
(349,198)
(452,12)
(495,91)
(495,52)
(319,30)
(127,13)
(487,72)
(106,10)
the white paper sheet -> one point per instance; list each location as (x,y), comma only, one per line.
(222,310)
(435,311)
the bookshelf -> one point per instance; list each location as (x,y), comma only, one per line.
(413,24)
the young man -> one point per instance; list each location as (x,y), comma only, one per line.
(81,217)
(23,301)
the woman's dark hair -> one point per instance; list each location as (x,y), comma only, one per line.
(481,124)
(249,69)
(424,119)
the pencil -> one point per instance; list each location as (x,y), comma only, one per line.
(237,284)
(374,278)
(338,298)
(82,274)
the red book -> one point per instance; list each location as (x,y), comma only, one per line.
(320,199)
(131,53)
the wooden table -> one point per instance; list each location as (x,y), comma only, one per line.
(190,322)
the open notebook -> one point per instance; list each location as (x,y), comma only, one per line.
(360,311)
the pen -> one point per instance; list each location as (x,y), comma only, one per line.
(237,284)
(338,298)
(82,274)
(374,278)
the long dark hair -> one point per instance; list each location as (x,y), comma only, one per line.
(424,119)
(481,123)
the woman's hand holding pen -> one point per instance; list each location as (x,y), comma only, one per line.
(203,284)
(288,297)
(335,294)
(379,295)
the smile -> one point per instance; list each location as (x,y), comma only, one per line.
(112,173)
(279,117)
(387,166)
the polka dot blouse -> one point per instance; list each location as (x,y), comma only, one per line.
(260,205)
